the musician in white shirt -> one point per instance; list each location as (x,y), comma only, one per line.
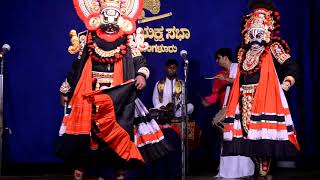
(167,92)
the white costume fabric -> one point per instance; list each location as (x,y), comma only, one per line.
(167,98)
(234,166)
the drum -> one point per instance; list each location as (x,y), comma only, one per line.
(193,132)
(165,118)
(219,118)
(163,115)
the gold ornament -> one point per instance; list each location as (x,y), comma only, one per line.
(75,42)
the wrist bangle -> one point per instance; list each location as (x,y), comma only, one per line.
(141,74)
(289,79)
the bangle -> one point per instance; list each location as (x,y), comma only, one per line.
(289,79)
(145,71)
(141,74)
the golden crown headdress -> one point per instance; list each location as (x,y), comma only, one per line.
(89,10)
(264,15)
(260,18)
(115,4)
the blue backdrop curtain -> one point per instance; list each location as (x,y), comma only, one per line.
(38,62)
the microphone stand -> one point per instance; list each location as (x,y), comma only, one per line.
(184,122)
(1,111)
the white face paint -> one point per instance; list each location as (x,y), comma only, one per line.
(110,16)
(109,20)
(257,35)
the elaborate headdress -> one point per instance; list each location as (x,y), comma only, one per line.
(261,26)
(120,13)
(264,17)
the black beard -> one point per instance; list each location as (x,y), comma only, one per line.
(110,28)
(171,76)
(262,43)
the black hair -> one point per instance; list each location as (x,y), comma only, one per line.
(224,52)
(172,62)
(266,4)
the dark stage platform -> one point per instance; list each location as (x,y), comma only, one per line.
(280,174)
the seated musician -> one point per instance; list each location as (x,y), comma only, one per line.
(167,95)
(167,107)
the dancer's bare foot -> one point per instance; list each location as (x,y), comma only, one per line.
(78,175)
(264,166)
(121,174)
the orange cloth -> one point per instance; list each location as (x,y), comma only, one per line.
(79,120)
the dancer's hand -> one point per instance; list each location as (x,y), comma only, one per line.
(223,78)
(219,76)
(286,85)
(205,103)
(140,82)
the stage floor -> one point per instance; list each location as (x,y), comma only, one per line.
(306,171)
(284,175)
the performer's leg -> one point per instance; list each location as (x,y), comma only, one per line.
(120,166)
(264,168)
(80,164)
(262,165)
(78,174)
(120,174)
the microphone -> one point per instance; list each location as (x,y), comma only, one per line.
(5,49)
(183,54)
